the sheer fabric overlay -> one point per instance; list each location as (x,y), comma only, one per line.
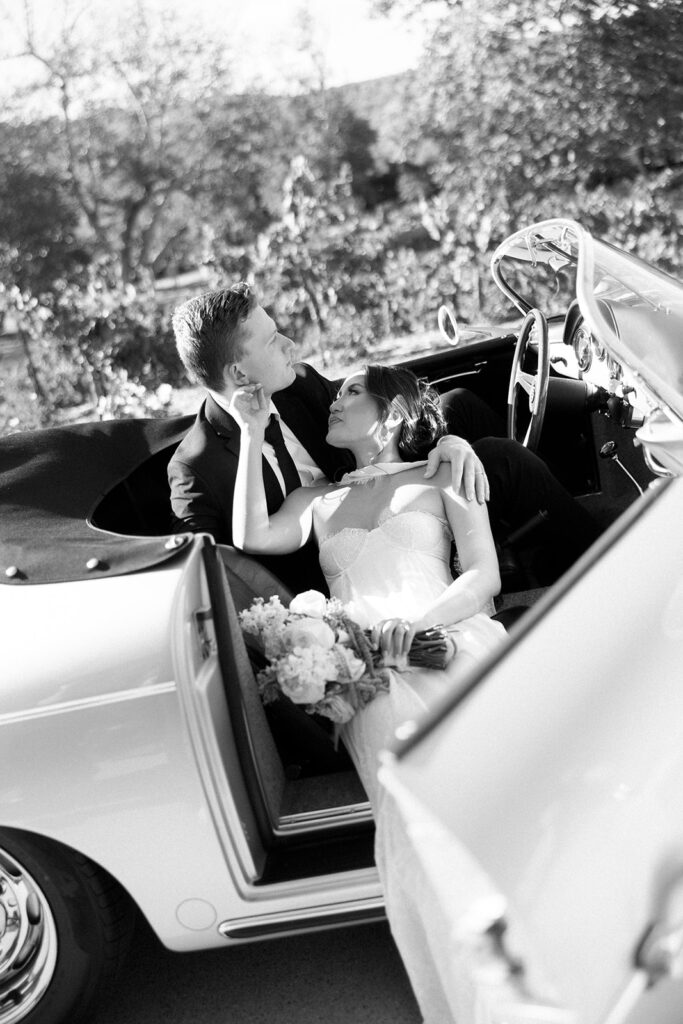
(398,569)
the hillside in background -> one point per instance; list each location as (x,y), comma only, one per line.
(383,102)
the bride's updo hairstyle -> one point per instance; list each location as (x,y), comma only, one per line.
(398,390)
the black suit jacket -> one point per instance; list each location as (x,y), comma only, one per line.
(203,470)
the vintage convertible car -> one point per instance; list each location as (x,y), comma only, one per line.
(139,774)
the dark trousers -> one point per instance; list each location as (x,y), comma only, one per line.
(524,492)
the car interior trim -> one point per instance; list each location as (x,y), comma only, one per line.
(313,821)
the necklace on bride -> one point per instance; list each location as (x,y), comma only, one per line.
(377,469)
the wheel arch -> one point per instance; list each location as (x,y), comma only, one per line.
(67,925)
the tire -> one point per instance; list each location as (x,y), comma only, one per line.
(65,927)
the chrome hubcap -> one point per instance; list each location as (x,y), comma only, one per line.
(28,941)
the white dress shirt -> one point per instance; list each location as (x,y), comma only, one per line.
(309,471)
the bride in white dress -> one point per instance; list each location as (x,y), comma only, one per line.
(384,533)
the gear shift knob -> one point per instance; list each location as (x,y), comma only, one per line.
(609,451)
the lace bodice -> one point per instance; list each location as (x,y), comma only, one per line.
(396,569)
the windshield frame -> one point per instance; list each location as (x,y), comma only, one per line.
(632,308)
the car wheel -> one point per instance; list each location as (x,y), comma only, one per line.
(65,926)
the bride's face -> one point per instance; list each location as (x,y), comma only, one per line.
(354,414)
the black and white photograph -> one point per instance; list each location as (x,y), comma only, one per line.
(341,446)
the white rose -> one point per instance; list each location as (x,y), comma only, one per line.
(302,675)
(303,691)
(311,603)
(308,633)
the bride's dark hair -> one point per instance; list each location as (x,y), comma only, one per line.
(397,389)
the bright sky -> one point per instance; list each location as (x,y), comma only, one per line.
(354,45)
(267,34)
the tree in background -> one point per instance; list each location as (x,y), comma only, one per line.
(135,96)
(317,266)
(100,348)
(153,147)
(149,163)
(531,108)
(39,218)
(356,212)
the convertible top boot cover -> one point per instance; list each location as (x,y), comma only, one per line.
(51,482)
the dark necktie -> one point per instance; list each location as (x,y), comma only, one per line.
(285,461)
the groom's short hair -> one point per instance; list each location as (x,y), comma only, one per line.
(207,332)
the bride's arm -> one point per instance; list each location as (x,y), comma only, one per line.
(479,579)
(254,530)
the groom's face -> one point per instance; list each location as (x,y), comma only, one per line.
(266,355)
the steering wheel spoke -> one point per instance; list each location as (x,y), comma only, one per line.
(527,382)
(535,385)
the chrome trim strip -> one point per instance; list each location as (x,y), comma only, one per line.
(304,920)
(313,821)
(84,703)
(455,376)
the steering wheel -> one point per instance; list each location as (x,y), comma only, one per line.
(535,385)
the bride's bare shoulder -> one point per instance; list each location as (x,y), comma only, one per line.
(441,478)
(324,494)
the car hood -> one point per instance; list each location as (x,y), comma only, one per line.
(52,480)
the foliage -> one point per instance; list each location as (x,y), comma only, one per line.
(125,142)
(530,108)
(100,348)
(152,147)
(317,264)
(355,212)
(38,222)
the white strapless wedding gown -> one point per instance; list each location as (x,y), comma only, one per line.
(398,569)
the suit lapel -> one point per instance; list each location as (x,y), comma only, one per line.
(228,433)
(307,419)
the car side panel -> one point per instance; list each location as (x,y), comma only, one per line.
(565,763)
(94,747)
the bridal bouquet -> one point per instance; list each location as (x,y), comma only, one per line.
(317,656)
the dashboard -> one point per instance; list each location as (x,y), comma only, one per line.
(615,390)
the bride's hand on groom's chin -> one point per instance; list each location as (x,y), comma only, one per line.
(250,408)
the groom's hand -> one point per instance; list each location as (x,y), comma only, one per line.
(467,470)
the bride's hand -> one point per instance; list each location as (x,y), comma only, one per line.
(250,409)
(393,638)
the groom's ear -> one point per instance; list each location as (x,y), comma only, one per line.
(235,375)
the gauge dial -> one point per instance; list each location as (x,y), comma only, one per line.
(583,348)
